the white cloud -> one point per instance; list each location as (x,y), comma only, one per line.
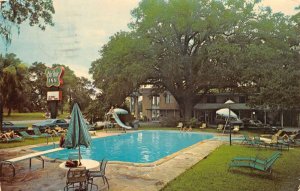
(82,27)
(285,6)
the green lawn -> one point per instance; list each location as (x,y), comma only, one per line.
(212,173)
(28,142)
(29,116)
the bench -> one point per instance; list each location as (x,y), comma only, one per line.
(37,155)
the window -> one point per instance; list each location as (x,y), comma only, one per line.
(168,98)
(155,100)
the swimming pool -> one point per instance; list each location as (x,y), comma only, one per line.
(137,147)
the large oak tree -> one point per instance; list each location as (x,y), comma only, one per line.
(190,47)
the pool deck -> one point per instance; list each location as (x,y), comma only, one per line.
(121,176)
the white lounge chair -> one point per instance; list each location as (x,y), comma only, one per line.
(220,127)
(203,126)
(180,126)
(236,129)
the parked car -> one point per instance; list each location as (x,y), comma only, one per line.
(257,124)
(233,121)
(7,125)
(253,123)
(51,123)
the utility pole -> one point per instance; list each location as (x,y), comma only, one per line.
(1,90)
(1,80)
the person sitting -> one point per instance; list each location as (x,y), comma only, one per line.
(62,140)
(51,131)
(11,134)
(290,138)
(4,136)
(59,129)
(185,128)
(47,115)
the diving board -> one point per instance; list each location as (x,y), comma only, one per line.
(37,155)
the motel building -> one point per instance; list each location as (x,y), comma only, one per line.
(152,106)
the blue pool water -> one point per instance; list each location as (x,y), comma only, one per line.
(138,147)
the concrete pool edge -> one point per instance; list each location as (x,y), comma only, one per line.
(156,177)
(123,177)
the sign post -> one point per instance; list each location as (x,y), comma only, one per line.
(54,93)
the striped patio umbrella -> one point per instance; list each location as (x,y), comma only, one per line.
(78,133)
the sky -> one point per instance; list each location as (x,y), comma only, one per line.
(82,28)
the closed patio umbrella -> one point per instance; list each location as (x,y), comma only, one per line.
(78,133)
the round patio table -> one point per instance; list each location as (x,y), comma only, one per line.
(87,163)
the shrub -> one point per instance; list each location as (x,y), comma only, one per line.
(169,121)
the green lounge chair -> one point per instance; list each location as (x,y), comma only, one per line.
(38,133)
(252,142)
(264,165)
(2,140)
(25,135)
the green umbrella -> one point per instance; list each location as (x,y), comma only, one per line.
(78,133)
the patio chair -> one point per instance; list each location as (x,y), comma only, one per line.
(256,163)
(220,127)
(236,129)
(25,135)
(77,179)
(247,140)
(38,133)
(98,174)
(180,126)
(203,126)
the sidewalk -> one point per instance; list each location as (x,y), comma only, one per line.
(122,176)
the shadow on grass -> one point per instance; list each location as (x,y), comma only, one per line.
(253,173)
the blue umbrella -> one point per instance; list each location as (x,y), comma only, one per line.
(78,133)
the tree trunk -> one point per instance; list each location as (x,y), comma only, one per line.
(136,107)
(186,106)
(9,111)
(188,110)
(281,119)
(1,115)
(62,106)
